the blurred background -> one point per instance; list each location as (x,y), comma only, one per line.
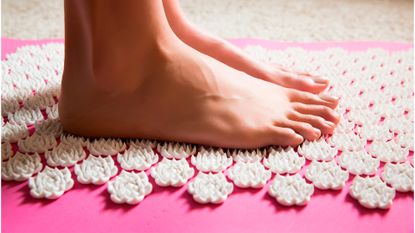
(282,20)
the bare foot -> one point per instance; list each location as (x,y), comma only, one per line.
(234,57)
(193,98)
(162,89)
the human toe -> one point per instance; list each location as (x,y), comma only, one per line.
(309,98)
(306,130)
(318,110)
(317,122)
(285,137)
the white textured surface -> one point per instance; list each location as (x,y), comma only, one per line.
(210,188)
(9,106)
(12,133)
(51,127)
(388,151)
(20,167)
(129,187)
(249,175)
(248,156)
(72,139)
(375,132)
(176,150)
(105,146)
(65,155)
(172,172)
(25,116)
(6,151)
(37,143)
(358,163)
(406,140)
(317,150)
(326,175)
(313,20)
(137,157)
(41,101)
(52,112)
(50,183)
(344,126)
(400,176)
(376,69)
(291,190)
(143,143)
(347,142)
(371,192)
(95,170)
(282,160)
(211,160)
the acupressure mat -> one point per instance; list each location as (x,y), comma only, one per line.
(374,81)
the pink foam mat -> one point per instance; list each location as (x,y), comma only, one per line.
(88,208)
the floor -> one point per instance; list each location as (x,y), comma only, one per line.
(282,20)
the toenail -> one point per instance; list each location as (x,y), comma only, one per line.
(329,124)
(329,97)
(336,115)
(321,79)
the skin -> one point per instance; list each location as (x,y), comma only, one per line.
(127,74)
(232,56)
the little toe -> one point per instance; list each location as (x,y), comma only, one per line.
(305,129)
(318,122)
(285,137)
(309,98)
(317,110)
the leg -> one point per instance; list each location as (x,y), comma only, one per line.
(234,57)
(126,74)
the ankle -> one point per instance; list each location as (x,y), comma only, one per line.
(112,46)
